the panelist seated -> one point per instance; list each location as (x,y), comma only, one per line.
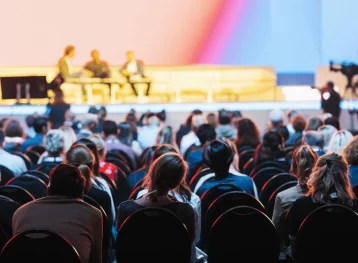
(65,68)
(97,67)
(133,70)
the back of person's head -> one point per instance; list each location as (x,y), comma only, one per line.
(165,136)
(205,133)
(350,152)
(327,131)
(13,128)
(102,112)
(196,121)
(110,128)
(125,133)
(152,119)
(299,123)
(329,181)
(291,114)
(189,119)
(93,148)
(314,139)
(69,49)
(330,85)
(162,115)
(303,161)
(101,146)
(218,156)
(131,117)
(272,148)
(163,149)
(82,158)
(314,123)
(166,173)
(90,122)
(30,119)
(339,140)
(41,125)
(276,117)
(66,180)
(54,142)
(247,133)
(225,117)
(69,137)
(273,139)
(2,123)
(211,119)
(284,132)
(147,156)
(334,121)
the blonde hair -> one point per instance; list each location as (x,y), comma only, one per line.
(339,140)
(69,137)
(101,146)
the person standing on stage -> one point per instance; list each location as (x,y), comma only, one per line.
(133,70)
(330,100)
(98,67)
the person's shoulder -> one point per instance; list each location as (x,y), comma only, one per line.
(128,205)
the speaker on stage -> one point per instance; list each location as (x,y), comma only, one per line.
(24,87)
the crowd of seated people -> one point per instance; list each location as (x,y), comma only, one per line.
(100,173)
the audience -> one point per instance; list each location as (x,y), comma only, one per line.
(165,174)
(334,121)
(290,116)
(191,138)
(131,119)
(350,153)
(327,131)
(54,145)
(125,136)
(314,123)
(10,161)
(185,128)
(166,136)
(283,131)
(101,117)
(218,156)
(30,120)
(303,161)
(41,126)
(225,129)
(339,140)
(315,140)
(248,135)
(299,124)
(14,135)
(88,126)
(328,184)
(69,137)
(147,135)
(212,120)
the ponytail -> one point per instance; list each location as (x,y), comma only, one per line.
(86,172)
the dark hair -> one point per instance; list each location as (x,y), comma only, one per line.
(270,149)
(218,156)
(166,173)
(211,119)
(190,117)
(13,128)
(30,120)
(350,152)
(334,121)
(225,117)
(247,133)
(162,115)
(283,131)
(125,135)
(314,123)
(330,84)
(163,149)
(206,133)
(69,49)
(329,176)
(66,180)
(299,123)
(2,138)
(314,138)
(303,161)
(102,112)
(291,114)
(40,125)
(93,148)
(165,136)
(81,157)
(147,155)
(131,119)
(110,128)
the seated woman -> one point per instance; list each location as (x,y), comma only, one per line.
(218,156)
(248,135)
(165,175)
(303,161)
(328,184)
(14,135)
(54,144)
(339,140)
(64,212)
(350,153)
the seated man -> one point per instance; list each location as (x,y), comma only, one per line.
(98,67)
(133,70)
(64,212)
(218,156)
(41,126)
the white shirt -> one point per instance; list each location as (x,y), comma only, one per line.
(69,65)
(147,136)
(104,186)
(12,162)
(132,67)
(187,141)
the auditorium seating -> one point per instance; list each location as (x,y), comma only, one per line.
(34,185)
(16,193)
(6,175)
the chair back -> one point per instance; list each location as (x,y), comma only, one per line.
(4,237)
(25,158)
(289,152)
(245,156)
(198,175)
(41,175)
(107,226)
(267,164)
(146,155)
(34,156)
(37,148)
(272,184)
(123,166)
(222,204)
(210,195)
(39,246)
(262,176)
(16,193)
(328,234)
(46,167)
(167,238)
(245,234)
(127,159)
(6,175)
(34,185)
